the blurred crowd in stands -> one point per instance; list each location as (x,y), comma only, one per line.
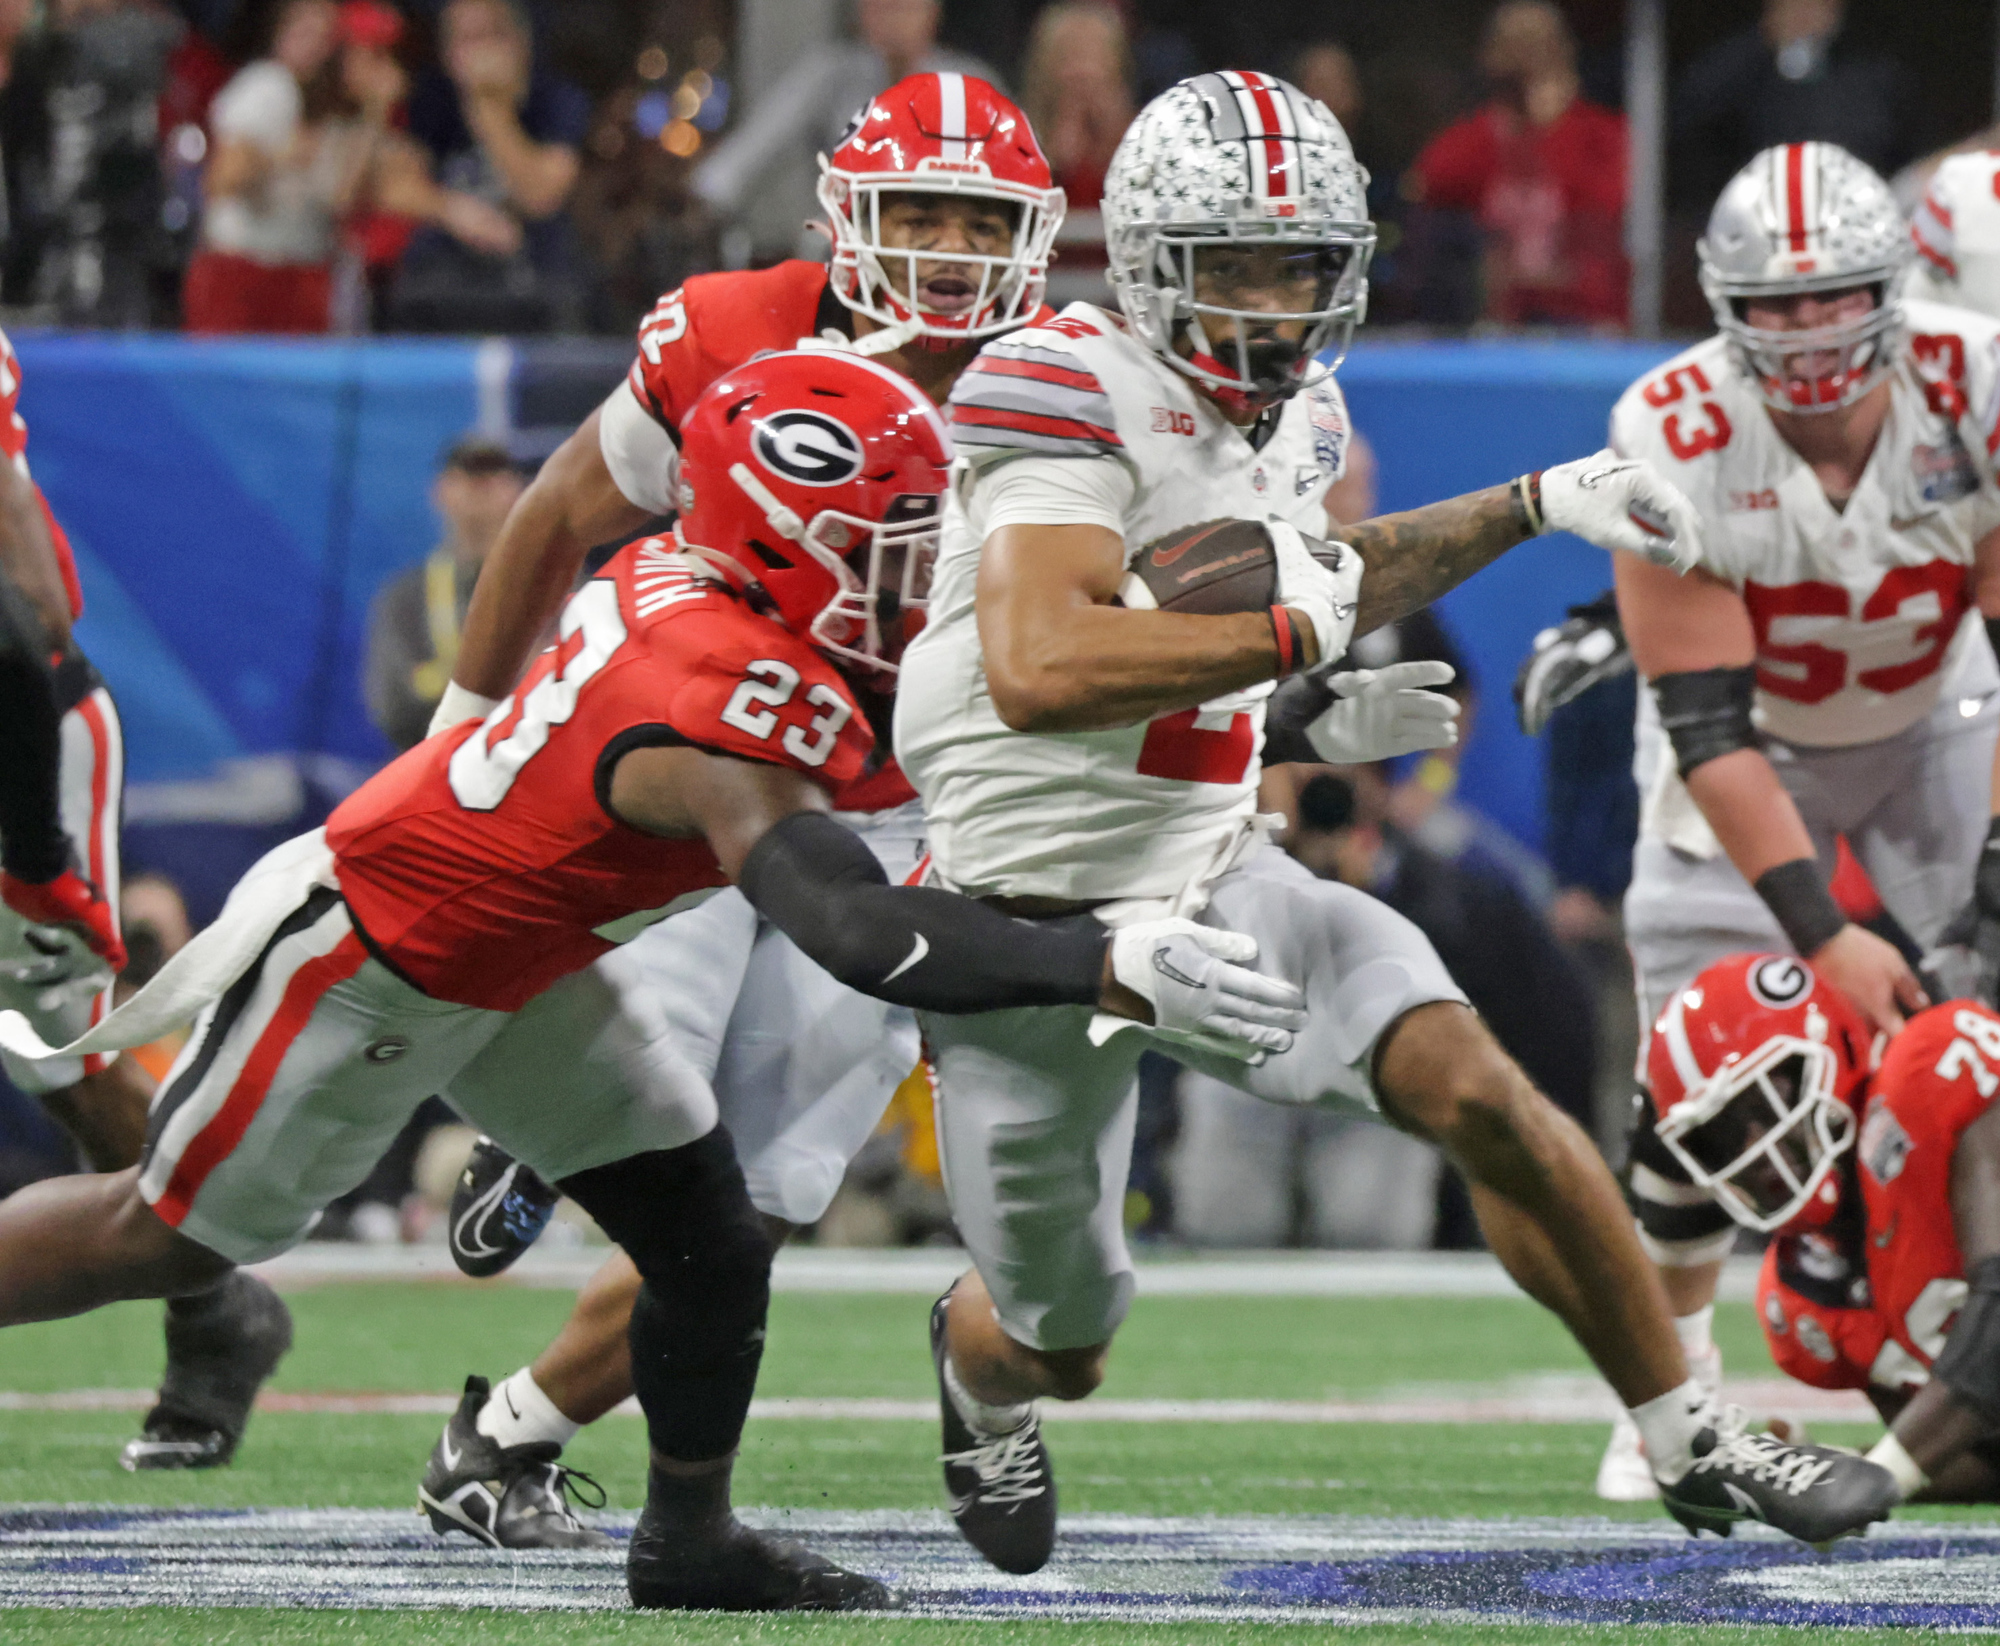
(531,166)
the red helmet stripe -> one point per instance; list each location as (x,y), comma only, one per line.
(1267,125)
(1795,193)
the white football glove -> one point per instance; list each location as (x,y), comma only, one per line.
(458,705)
(1622,503)
(1327,599)
(1378,714)
(1199,994)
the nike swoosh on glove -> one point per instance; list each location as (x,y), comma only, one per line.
(1198,982)
(1325,598)
(1622,503)
(1378,714)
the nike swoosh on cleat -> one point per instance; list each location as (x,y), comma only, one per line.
(508,1394)
(1743,1501)
(451,1456)
(918,950)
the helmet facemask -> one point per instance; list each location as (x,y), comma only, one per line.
(882,281)
(857,622)
(1857,353)
(1235,348)
(1763,1133)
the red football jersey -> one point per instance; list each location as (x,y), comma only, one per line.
(14,446)
(484,864)
(1936,1079)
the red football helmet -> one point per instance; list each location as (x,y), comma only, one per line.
(940,134)
(792,466)
(1755,1068)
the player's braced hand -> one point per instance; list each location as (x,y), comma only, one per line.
(1622,503)
(1378,714)
(1198,982)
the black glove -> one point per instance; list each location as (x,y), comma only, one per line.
(1584,651)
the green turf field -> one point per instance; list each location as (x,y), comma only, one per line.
(424,1338)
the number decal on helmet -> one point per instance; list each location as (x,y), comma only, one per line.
(808,447)
(1780,982)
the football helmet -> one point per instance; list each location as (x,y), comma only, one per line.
(1244,160)
(1754,1069)
(939,134)
(811,483)
(1807,217)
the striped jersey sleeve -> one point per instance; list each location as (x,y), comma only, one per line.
(1022,396)
(1680,1225)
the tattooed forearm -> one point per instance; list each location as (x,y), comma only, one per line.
(1412,558)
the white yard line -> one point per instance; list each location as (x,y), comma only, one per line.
(1555,1399)
(928,1271)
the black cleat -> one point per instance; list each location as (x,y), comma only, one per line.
(498,1211)
(511,1497)
(221,1345)
(1003,1492)
(1813,1493)
(690,1553)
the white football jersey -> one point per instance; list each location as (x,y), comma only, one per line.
(1863,615)
(1140,811)
(1956,231)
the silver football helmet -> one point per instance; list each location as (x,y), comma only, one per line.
(1239,159)
(1800,218)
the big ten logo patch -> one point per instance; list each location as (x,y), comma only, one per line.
(1168,421)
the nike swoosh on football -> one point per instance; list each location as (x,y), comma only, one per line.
(918,950)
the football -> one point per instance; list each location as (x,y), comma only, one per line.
(1210,569)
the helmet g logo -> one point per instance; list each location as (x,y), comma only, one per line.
(807,447)
(1780,982)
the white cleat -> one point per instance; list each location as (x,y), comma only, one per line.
(1623,1475)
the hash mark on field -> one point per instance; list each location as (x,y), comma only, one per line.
(1559,1399)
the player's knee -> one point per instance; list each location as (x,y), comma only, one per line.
(158,1260)
(1442,1075)
(684,1217)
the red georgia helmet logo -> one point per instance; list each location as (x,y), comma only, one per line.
(807,447)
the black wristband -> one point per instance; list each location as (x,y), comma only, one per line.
(1798,899)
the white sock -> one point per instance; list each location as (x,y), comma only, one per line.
(1910,1477)
(519,1413)
(1697,1335)
(982,1419)
(1696,1331)
(1668,1425)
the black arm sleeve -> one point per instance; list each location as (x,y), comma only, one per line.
(32,843)
(910,945)
(1706,713)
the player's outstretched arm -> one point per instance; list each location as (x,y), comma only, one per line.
(1960,1406)
(1615,502)
(1692,640)
(572,505)
(933,950)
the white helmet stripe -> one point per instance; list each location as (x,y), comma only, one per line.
(1673,1029)
(951,115)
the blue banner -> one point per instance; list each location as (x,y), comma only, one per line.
(235,504)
